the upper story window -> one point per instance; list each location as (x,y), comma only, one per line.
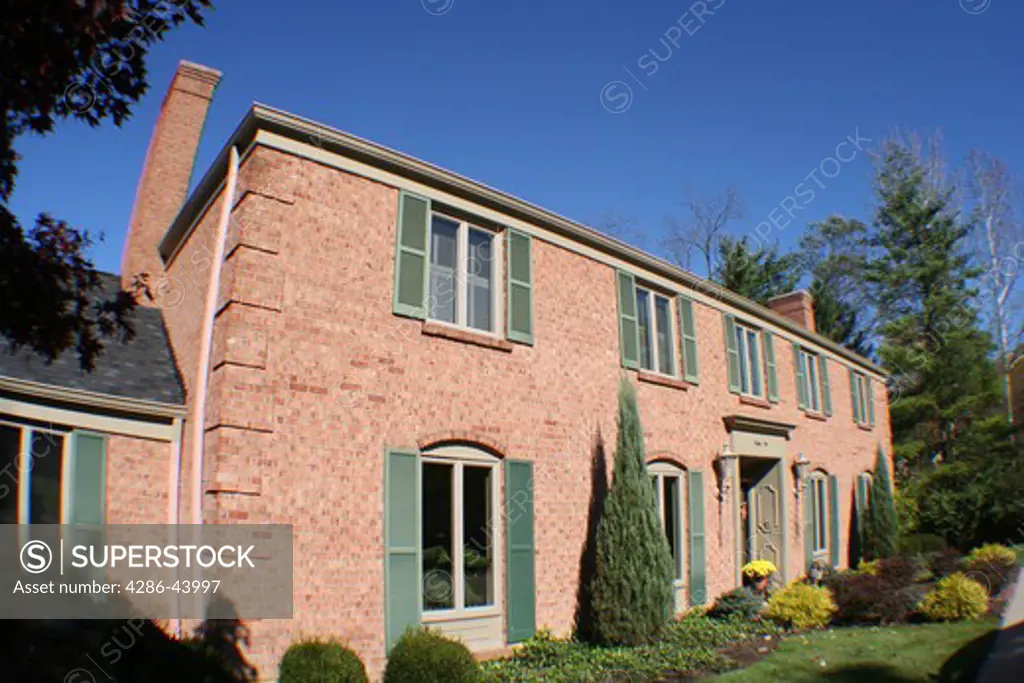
(656,322)
(862,398)
(649,321)
(750,360)
(809,369)
(464,265)
(748,345)
(463,272)
(813,388)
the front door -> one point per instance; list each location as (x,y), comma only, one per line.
(764,505)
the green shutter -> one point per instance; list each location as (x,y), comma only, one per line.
(520,287)
(688,327)
(412,256)
(809,505)
(826,386)
(870,402)
(853,397)
(402,561)
(732,353)
(88,480)
(698,549)
(629,331)
(521,580)
(833,519)
(770,366)
(801,390)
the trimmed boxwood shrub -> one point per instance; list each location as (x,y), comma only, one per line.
(741,603)
(801,606)
(425,656)
(321,661)
(955,597)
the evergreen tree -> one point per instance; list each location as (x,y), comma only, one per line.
(834,252)
(919,276)
(632,588)
(757,274)
(881,526)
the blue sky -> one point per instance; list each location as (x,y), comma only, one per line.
(517,95)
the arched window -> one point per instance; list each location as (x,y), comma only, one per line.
(817,499)
(459,529)
(668,481)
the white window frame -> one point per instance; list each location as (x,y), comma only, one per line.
(820,511)
(24,465)
(812,382)
(462,276)
(659,471)
(652,316)
(458,457)
(746,374)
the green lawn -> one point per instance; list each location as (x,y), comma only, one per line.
(897,654)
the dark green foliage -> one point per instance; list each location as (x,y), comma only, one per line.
(61,59)
(979,496)
(689,644)
(834,251)
(426,656)
(931,341)
(632,587)
(757,274)
(740,603)
(922,544)
(881,527)
(319,661)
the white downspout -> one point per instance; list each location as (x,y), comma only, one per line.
(206,339)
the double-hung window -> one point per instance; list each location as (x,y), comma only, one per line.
(464,274)
(861,397)
(748,345)
(655,321)
(818,501)
(811,382)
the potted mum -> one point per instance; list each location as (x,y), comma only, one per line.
(757,575)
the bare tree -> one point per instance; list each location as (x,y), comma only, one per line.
(622,228)
(998,244)
(699,232)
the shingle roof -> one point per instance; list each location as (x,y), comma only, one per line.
(143,368)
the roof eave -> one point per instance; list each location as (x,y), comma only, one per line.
(262,117)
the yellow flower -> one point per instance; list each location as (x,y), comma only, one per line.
(759,569)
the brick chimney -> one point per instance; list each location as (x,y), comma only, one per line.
(167,171)
(798,306)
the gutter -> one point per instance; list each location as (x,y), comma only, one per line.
(198,426)
(91,399)
(261,117)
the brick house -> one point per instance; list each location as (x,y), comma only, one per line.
(420,373)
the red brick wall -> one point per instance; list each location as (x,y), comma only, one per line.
(314,377)
(137,480)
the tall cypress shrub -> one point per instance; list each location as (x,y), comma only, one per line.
(632,588)
(881,526)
